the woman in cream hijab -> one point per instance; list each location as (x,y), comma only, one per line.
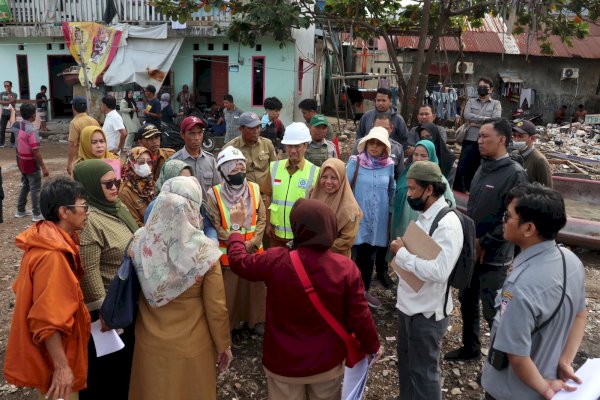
(334,190)
(183,317)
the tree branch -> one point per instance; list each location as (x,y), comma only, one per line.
(475,7)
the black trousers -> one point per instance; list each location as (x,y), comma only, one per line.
(365,256)
(1,197)
(467,166)
(485,283)
(108,376)
(3,122)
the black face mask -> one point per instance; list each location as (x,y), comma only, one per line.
(236,179)
(482,91)
(417,204)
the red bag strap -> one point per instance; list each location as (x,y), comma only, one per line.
(315,300)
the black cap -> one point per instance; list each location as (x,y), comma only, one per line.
(147,131)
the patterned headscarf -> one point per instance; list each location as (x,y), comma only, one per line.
(144,187)
(170,169)
(171,250)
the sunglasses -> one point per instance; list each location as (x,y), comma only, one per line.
(86,207)
(112,183)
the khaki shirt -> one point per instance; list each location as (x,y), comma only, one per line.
(77,124)
(161,159)
(258,157)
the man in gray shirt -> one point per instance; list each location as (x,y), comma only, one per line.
(203,164)
(477,111)
(231,115)
(541,313)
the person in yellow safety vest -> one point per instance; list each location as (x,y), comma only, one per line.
(246,301)
(290,180)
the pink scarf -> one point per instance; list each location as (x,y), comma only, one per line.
(369,162)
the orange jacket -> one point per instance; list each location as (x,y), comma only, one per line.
(48,299)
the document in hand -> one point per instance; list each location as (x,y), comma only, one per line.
(105,342)
(355,379)
(590,388)
(419,243)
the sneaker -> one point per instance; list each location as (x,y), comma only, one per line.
(21,214)
(372,300)
(461,354)
(37,218)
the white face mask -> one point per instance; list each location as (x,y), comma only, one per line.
(519,145)
(142,170)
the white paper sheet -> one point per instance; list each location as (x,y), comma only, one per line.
(105,342)
(590,388)
(355,379)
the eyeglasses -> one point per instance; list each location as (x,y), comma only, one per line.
(141,161)
(86,207)
(506,216)
(112,183)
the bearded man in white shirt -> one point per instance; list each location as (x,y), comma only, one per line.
(421,314)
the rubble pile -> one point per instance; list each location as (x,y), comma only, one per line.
(572,149)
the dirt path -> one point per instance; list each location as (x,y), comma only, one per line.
(245,380)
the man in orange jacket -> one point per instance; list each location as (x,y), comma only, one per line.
(47,344)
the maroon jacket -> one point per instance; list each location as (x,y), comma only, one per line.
(298,342)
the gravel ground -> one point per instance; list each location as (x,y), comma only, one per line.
(245,379)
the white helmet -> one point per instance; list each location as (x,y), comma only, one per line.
(296,133)
(229,153)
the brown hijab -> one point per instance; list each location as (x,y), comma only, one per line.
(313,224)
(342,202)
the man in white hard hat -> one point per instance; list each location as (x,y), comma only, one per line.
(289,181)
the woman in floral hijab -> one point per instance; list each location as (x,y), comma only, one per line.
(183,316)
(138,189)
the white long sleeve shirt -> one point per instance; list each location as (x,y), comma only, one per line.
(430,298)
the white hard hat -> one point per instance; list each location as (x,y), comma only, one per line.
(296,133)
(229,153)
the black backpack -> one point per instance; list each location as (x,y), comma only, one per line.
(460,277)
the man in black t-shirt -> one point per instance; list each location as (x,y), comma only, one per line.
(152,112)
(41,101)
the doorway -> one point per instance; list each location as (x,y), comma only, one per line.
(23,72)
(211,79)
(61,93)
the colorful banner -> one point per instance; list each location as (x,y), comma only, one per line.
(5,15)
(97,43)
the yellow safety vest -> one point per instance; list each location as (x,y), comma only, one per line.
(226,222)
(286,190)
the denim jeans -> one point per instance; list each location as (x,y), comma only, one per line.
(30,183)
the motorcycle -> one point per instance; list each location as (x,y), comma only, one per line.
(521,115)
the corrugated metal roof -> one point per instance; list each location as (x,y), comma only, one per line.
(490,38)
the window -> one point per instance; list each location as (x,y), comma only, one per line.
(196,46)
(225,46)
(61,46)
(258,81)
(49,46)
(23,76)
(211,46)
(21,47)
(259,47)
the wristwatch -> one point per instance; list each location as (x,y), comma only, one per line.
(236,227)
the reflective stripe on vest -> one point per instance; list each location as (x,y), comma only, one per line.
(225,218)
(286,190)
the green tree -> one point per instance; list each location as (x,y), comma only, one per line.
(369,19)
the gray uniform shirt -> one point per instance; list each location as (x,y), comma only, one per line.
(232,123)
(204,167)
(477,111)
(528,298)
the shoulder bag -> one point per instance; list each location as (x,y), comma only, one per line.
(120,306)
(354,353)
